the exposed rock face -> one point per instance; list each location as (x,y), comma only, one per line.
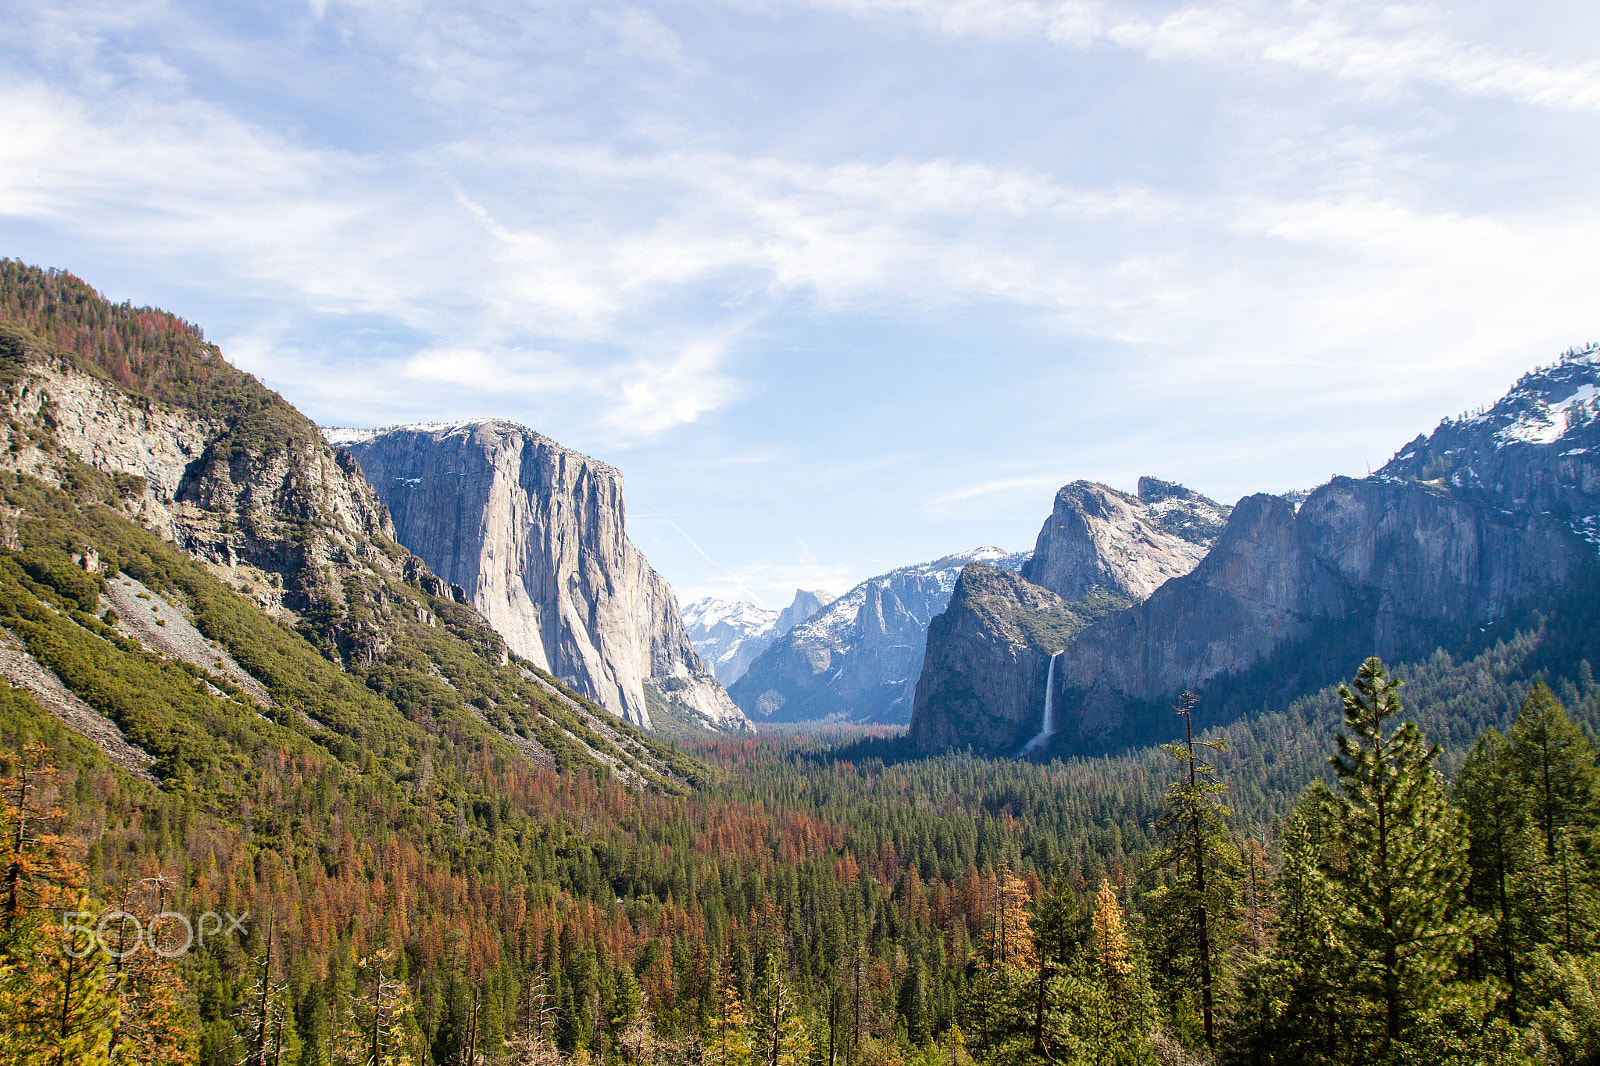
(130,408)
(730,635)
(1100,550)
(1461,527)
(1537,450)
(1099,538)
(535,533)
(988,655)
(859,658)
(807,603)
(268,521)
(1407,563)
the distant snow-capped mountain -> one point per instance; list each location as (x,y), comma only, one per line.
(859,658)
(729,634)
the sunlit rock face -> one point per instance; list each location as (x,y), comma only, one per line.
(536,535)
(1099,538)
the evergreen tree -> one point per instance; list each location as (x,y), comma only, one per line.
(781,1038)
(375,1025)
(1556,767)
(1058,943)
(726,1042)
(1504,859)
(1193,917)
(1293,998)
(1397,866)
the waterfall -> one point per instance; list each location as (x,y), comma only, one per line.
(1049,728)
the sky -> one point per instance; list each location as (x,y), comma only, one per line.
(839,285)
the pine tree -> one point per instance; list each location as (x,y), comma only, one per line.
(1110,938)
(1294,1003)
(1504,859)
(1057,944)
(781,1038)
(1397,868)
(1556,767)
(726,1042)
(374,1025)
(1195,914)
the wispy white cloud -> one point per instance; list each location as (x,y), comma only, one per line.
(570,213)
(960,502)
(1375,44)
(576,290)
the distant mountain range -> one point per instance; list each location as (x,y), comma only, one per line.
(858,659)
(729,634)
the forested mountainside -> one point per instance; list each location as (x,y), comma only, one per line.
(394,842)
(536,535)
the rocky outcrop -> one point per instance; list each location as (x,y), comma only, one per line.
(536,536)
(859,659)
(129,408)
(1399,565)
(272,518)
(730,635)
(988,655)
(807,604)
(1099,538)
(1465,524)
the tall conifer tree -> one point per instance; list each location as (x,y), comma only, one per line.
(1398,866)
(1194,915)
(1556,768)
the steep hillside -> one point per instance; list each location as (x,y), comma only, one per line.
(149,432)
(536,536)
(858,660)
(730,635)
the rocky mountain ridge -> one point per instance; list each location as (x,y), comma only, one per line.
(859,658)
(730,634)
(1099,538)
(1099,552)
(535,534)
(1461,528)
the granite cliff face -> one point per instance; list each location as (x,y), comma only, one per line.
(1099,538)
(536,536)
(1395,566)
(1463,525)
(987,656)
(730,635)
(859,659)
